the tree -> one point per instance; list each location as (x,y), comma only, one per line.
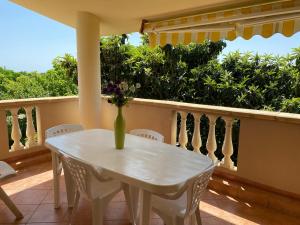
(67,65)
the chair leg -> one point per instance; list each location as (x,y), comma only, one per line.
(193,220)
(69,186)
(75,206)
(198,217)
(56,183)
(98,207)
(10,204)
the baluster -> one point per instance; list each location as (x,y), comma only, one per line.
(30,130)
(227,145)
(183,138)
(16,132)
(211,139)
(196,141)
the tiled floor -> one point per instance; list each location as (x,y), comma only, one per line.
(31,190)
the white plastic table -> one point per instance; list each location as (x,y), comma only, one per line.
(152,166)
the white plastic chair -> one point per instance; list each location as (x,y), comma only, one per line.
(57,164)
(92,186)
(6,171)
(183,206)
(150,134)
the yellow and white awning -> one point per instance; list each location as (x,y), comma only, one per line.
(264,19)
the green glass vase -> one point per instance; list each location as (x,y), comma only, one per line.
(119,126)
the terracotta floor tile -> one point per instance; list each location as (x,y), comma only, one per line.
(46,223)
(117,222)
(215,221)
(50,197)
(117,211)
(29,196)
(45,213)
(32,190)
(7,217)
(13,223)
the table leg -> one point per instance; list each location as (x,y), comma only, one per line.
(130,202)
(145,208)
(56,178)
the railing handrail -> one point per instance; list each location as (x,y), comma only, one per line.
(222,110)
(11,103)
(178,106)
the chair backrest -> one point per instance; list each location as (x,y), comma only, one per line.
(196,188)
(81,174)
(150,134)
(62,129)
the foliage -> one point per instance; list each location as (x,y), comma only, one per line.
(59,81)
(291,105)
(191,73)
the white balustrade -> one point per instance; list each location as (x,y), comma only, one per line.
(183,137)
(211,144)
(196,140)
(16,132)
(30,130)
(227,148)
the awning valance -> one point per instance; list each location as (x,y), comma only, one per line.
(263,19)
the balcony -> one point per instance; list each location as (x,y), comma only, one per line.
(258,157)
(31,190)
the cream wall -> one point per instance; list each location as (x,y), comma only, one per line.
(269,153)
(3,135)
(49,115)
(140,116)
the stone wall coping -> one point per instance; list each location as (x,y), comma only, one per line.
(237,113)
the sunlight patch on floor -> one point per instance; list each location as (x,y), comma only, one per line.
(28,182)
(218,212)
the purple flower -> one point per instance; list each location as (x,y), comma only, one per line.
(118,91)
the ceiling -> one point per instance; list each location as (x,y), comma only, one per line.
(124,16)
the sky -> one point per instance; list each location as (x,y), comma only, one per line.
(29,41)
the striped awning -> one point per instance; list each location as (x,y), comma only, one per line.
(262,19)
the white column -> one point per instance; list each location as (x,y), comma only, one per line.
(15,131)
(227,149)
(30,130)
(88,56)
(183,137)
(196,141)
(211,139)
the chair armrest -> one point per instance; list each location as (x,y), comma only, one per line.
(6,170)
